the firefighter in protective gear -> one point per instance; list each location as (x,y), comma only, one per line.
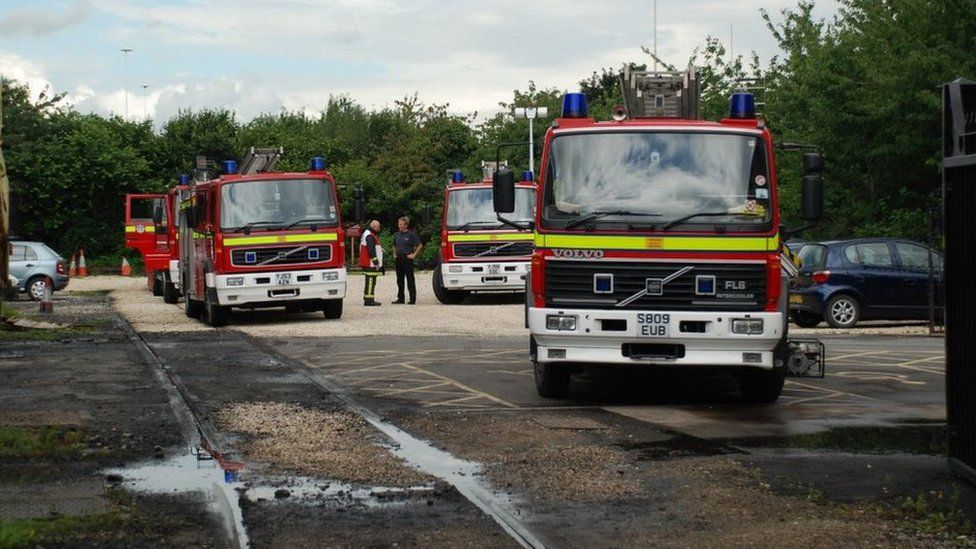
(371,261)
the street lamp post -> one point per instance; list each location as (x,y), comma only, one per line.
(125,78)
(145,101)
(531,113)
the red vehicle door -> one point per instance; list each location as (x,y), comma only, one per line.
(146,223)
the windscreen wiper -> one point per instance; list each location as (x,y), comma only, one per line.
(684,218)
(247,227)
(306,220)
(596,215)
(470,224)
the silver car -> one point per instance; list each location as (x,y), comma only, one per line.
(32,264)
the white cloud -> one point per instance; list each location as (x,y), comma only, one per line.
(15,67)
(40,22)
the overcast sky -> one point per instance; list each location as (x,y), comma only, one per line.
(255,56)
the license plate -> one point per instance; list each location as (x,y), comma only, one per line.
(796,298)
(283,278)
(494,269)
(653,324)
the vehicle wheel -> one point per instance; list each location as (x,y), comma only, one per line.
(157,286)
(551,380)
(762,386)
(35,287)
(842,311)
(333,309)
(806,320)
(170,293)
(213,314)
(445,296)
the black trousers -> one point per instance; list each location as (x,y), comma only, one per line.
(404,269)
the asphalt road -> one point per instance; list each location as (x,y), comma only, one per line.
(871,380)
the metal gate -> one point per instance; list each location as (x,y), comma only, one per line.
(959,202)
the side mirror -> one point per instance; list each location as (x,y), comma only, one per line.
(812,197)
(503,190)
(359,205)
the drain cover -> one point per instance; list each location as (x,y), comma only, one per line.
(568,422)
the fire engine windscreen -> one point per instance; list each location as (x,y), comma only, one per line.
(277,203)
(473,208)
(658,178)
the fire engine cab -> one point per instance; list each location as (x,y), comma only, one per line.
(255,238)
(151,223)
(479,253)
(658,240)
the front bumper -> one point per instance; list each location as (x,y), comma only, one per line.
(602,336)
(264,288)
(486,276)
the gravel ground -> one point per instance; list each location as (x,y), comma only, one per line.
(335,445)
(499,315)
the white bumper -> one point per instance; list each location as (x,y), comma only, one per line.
(487,276)
(597,341)
(174,272)
(266,288)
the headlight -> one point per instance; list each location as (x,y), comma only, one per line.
(454,268)
(330,276)
(749,326)
(235,281)
(561,322)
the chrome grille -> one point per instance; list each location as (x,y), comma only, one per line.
(281,255)
(493,249)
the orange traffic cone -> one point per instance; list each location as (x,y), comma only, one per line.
(73,269)
(82,266)
(126,268)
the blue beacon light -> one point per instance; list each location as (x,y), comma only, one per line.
(230,167)
(527,176)
(574,105)
(457,177)
(317,164)
(742,106)
(184,179)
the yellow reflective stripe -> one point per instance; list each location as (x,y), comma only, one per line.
(198,236)
(488,237)
(278,239)
(145,229)
(682,243)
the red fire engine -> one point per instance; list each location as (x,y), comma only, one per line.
(156,237)
(479,253)
(658,240)
(254,238)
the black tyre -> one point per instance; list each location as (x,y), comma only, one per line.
(333,309)
(192,308)
(35,287)
(445,296)
(551,380)
(842,311)
(762,386)
(806,320)
(170,293)
(157,286)
(213,314)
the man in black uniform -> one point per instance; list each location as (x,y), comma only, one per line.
(406,246)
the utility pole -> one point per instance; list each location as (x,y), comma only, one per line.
(125,78)
(4,210)
(655,35)
(531,113)
(145,101)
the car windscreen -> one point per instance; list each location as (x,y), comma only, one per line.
(812,256)
(277,203)
(474,208)
(669,178)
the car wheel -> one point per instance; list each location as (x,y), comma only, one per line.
(842,311)
(551,380)
(806,320)
(213,314)
(445,296)
(333,309)
(170,293)
(762,386)
(35,287)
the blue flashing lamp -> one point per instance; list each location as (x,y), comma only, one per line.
(313,254)
(574,105)
(184,179)
(317,164)
(230,167)
(457,177)
(528,176)
(742,106)
(250,257)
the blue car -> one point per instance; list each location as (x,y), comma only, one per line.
(34,265)
(846,281)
